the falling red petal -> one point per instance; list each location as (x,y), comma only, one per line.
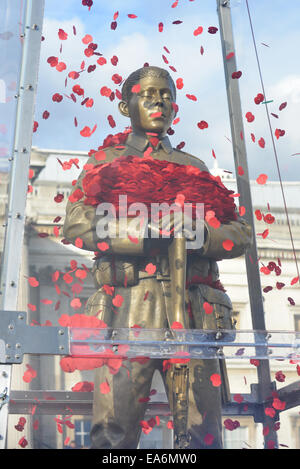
(216,380)
(198,31)
(118,300)
(262,179)
(228,244)
(62,35)
(208,308)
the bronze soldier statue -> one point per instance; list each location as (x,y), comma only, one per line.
(148,298)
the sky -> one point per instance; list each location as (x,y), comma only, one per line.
(138,40)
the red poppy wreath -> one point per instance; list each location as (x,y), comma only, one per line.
(147,180)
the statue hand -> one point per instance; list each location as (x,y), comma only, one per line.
(173,225)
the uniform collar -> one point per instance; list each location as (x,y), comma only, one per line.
(140,143)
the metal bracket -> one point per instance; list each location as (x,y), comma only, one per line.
(17,338)
(4,398)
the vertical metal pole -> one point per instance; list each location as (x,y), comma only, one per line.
(243,185)
(13,243)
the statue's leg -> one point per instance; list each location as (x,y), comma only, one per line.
(117,414)
(204,424)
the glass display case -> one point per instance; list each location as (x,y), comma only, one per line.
(62,69)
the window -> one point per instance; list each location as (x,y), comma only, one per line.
(82,433)
(160,437)
(295,432)
(236,439)
(244,436)
(297,322)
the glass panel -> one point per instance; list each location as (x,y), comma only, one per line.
(153,343)
(11,30)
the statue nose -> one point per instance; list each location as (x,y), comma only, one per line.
(158,97)
(158,100)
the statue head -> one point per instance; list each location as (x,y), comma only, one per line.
(148,95)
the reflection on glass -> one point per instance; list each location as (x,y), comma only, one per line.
(11,29)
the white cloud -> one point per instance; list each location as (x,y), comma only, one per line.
(288,88)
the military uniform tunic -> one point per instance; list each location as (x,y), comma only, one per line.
(117,415)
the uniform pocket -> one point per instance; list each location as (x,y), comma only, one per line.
(120,272)
(212,309)
(100,305)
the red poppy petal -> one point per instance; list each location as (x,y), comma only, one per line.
(61,66)
(282,106)
(101,61)
(102,246)
(228,244)
(118,300)
(259,98)
(76,195)
(176,325)
(208,308)
(150,268)
(242,210)
(236,75)
(250,117)
(76,303)
(33,282)
(198,31)
(216,380)
(230,55)
(78,242)
(62,35)
(179,83)
(202,125)
(53,61)
(262,179)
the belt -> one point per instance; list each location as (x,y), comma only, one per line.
(203,267)
(130,269)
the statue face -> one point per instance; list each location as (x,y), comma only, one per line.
(151,109)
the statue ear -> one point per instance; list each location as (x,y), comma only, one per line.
(123,108)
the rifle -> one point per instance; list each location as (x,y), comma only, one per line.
(180,373)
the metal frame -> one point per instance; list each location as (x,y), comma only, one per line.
(19,339)
(259,398)
(14,234)
(265,385)
(81,403)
